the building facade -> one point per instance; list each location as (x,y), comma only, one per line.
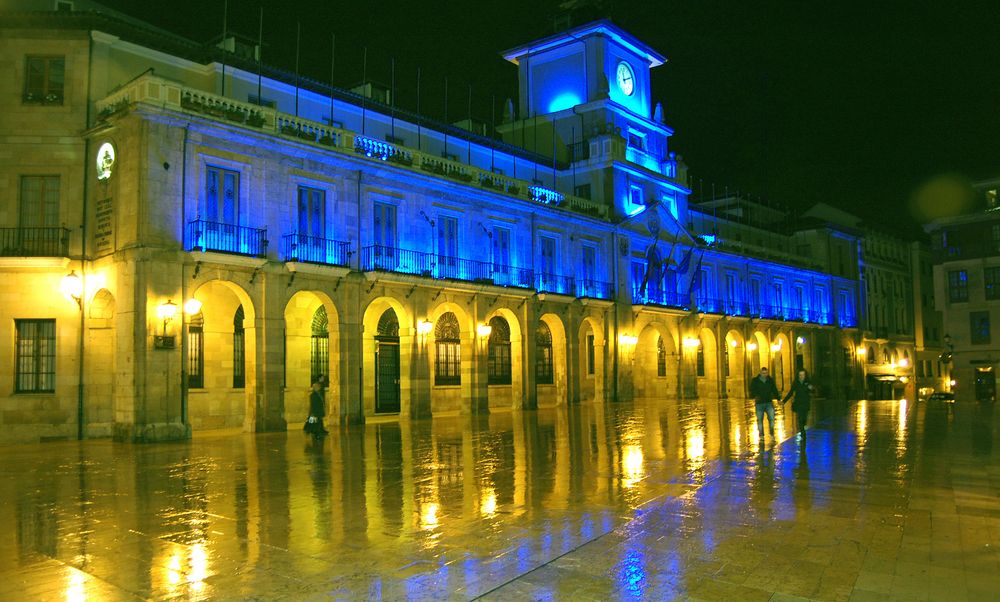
(190,240)
(966,255)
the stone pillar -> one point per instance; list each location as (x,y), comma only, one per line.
(268,335)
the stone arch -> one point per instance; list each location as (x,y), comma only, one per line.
(708,380)
(210,347)
(305,311)
(99,413)
(371,317)
(508,395)
(870,354)
(734,368)
(654,363)
(591,364)
(758,353)
(556,392)
(450,397)
(781,360)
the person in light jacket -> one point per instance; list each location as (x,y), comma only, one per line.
(764,392)
(802,390)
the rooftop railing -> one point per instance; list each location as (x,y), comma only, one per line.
(153,90)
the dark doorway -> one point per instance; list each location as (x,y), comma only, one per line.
(387,364)
(986,384)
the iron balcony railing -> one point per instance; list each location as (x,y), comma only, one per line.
(551,283)
(659,297)
(314,249)
(593,289)
(432,265)
(34,242)
(226,238)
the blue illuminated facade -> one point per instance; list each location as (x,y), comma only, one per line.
(423,268)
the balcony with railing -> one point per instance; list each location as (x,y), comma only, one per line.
(160,92)
(203,235)
(659,297)
(594,289)
(381,258)
(313,249)
(553,283)
(34,242)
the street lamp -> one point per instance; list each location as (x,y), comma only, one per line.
(72,288)
(166,312)
(947,355)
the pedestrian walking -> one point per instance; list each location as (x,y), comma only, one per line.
(764,392)
(317,410)
(802,390)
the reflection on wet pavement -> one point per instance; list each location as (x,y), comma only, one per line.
(651,500)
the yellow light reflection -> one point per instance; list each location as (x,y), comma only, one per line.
(901,429)
(737,436)
(695,446)
(861,416)
(174,570)
(75,591)
(429,515)
(631,465)
(488,503)
(199,567)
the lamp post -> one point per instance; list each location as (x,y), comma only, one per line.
(72,287)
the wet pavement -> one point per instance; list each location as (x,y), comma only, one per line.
(881,500)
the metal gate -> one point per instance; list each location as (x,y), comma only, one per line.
(386,376)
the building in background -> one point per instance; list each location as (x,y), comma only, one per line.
(189,239)
(966,255)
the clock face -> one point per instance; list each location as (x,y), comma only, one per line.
(626,80)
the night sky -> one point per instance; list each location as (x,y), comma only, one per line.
(853,104)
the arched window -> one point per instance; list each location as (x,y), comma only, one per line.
(543,354)
(447,351)
(319,350)
(661,357)
(498,353)
(388,324)
(239,351)
(871,355)
(196,352)
(886,358)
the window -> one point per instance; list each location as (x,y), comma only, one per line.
(239,351)
(384,235)
(543,355)
(590,355)
(448,246)
(39,202)
(637,140)
(800,302)
(222,195)
(958,286)
(43,79)
(979,327)
(635,196)
(847,359)
(755,295)
(670,202)
(35,360)
(582,191)
(501,250)
(871,355)
(638,270)
(498,353)
(312,212)
(995,236)
(319,348)
(196,352)
(589,270)
(548,257)
(661,357)
(447,351)
(992,279)
(700,360)
(731,293)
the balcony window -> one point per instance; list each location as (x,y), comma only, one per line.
(222,195)
(239,350)
(319,348)
(543,355)
(44,80)
(196,352)
(991,276)
(661,357)
(498,363)
(35,356)
(958,286)
(312,211)
(447,351)
(39,202)
(979,327)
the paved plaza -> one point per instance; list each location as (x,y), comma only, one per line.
(881,500)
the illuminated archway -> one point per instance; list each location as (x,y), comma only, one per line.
(446,394)
(374,315)
(590,342)
(781,361)
(504,395)
(312,348)
(555,391)
(214,348)
(758,353)
(707,365)
(655,364)
(99,413)
(734,357)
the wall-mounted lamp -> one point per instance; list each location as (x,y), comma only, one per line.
(166,312)
(776,347)
(628,340)
(424,327)
(947,355)
(733,343)
(484,330)
(72,288)
(904,363)
(691,342)
(862,352)
(192,307)
(751,346)
(800,340)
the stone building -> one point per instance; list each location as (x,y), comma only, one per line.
(188,244)
(966,255)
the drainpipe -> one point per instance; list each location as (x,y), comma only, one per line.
(361,337)
(80,398)
(183,333)
(614,265)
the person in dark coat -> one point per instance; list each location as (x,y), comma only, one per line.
(317,410)
(802,390)
(764,392)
